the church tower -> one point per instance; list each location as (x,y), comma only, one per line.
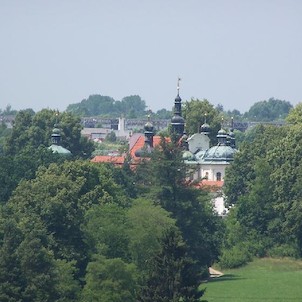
(177,121)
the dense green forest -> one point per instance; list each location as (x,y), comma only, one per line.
(72,230)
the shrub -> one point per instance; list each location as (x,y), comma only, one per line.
(236,256)
(284,250)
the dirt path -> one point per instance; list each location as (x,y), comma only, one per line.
(214,273)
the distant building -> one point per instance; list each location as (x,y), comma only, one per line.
(100,133)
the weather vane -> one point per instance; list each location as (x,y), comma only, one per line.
(178,80)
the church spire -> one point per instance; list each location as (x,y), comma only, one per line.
(177,121)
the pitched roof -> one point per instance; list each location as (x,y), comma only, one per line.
(117,160)
(211,185)
(137,144)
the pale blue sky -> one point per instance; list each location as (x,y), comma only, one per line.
(233,52)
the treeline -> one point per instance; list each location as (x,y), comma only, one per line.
(263,186)
(134,107)
(98,105)
(72,230)
(130,107)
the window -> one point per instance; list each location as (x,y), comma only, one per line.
(218,176)
(206,175)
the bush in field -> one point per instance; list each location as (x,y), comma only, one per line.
(235,257)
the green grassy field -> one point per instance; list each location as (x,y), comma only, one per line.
(262,280)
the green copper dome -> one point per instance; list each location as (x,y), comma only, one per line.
(59,149)
(220,153)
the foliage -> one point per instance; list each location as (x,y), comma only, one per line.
(264,185)
(295,115)
(44,247)
(111,137)
(22,167)
(98,105)
(196,112)
(109,280)
(35,130)
(147,224)
(163,179)
(8,111)
(236,256)
(169,276)
(163,114)
(270,110)
(4,133)
(257,144)
(27,268)
(105,231)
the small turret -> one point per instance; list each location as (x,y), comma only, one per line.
(205,128)
(148,145)
(222,136)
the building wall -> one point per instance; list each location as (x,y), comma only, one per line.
(210,171)
(198,141)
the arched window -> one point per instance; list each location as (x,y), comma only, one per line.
(206,175)
(218,176)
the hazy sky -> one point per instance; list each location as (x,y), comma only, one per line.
(234,52)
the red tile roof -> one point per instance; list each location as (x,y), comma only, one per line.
(136,145)
(117,160)
(211,185)
(140,144)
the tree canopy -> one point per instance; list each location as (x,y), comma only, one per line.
(98,105)
(267,111)
(263,185)
(35,129)
(196,112)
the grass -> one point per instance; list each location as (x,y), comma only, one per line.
(262,280)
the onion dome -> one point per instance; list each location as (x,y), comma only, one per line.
(222,137)
(56,135)
(177,120)
(220,153)
(205,128)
